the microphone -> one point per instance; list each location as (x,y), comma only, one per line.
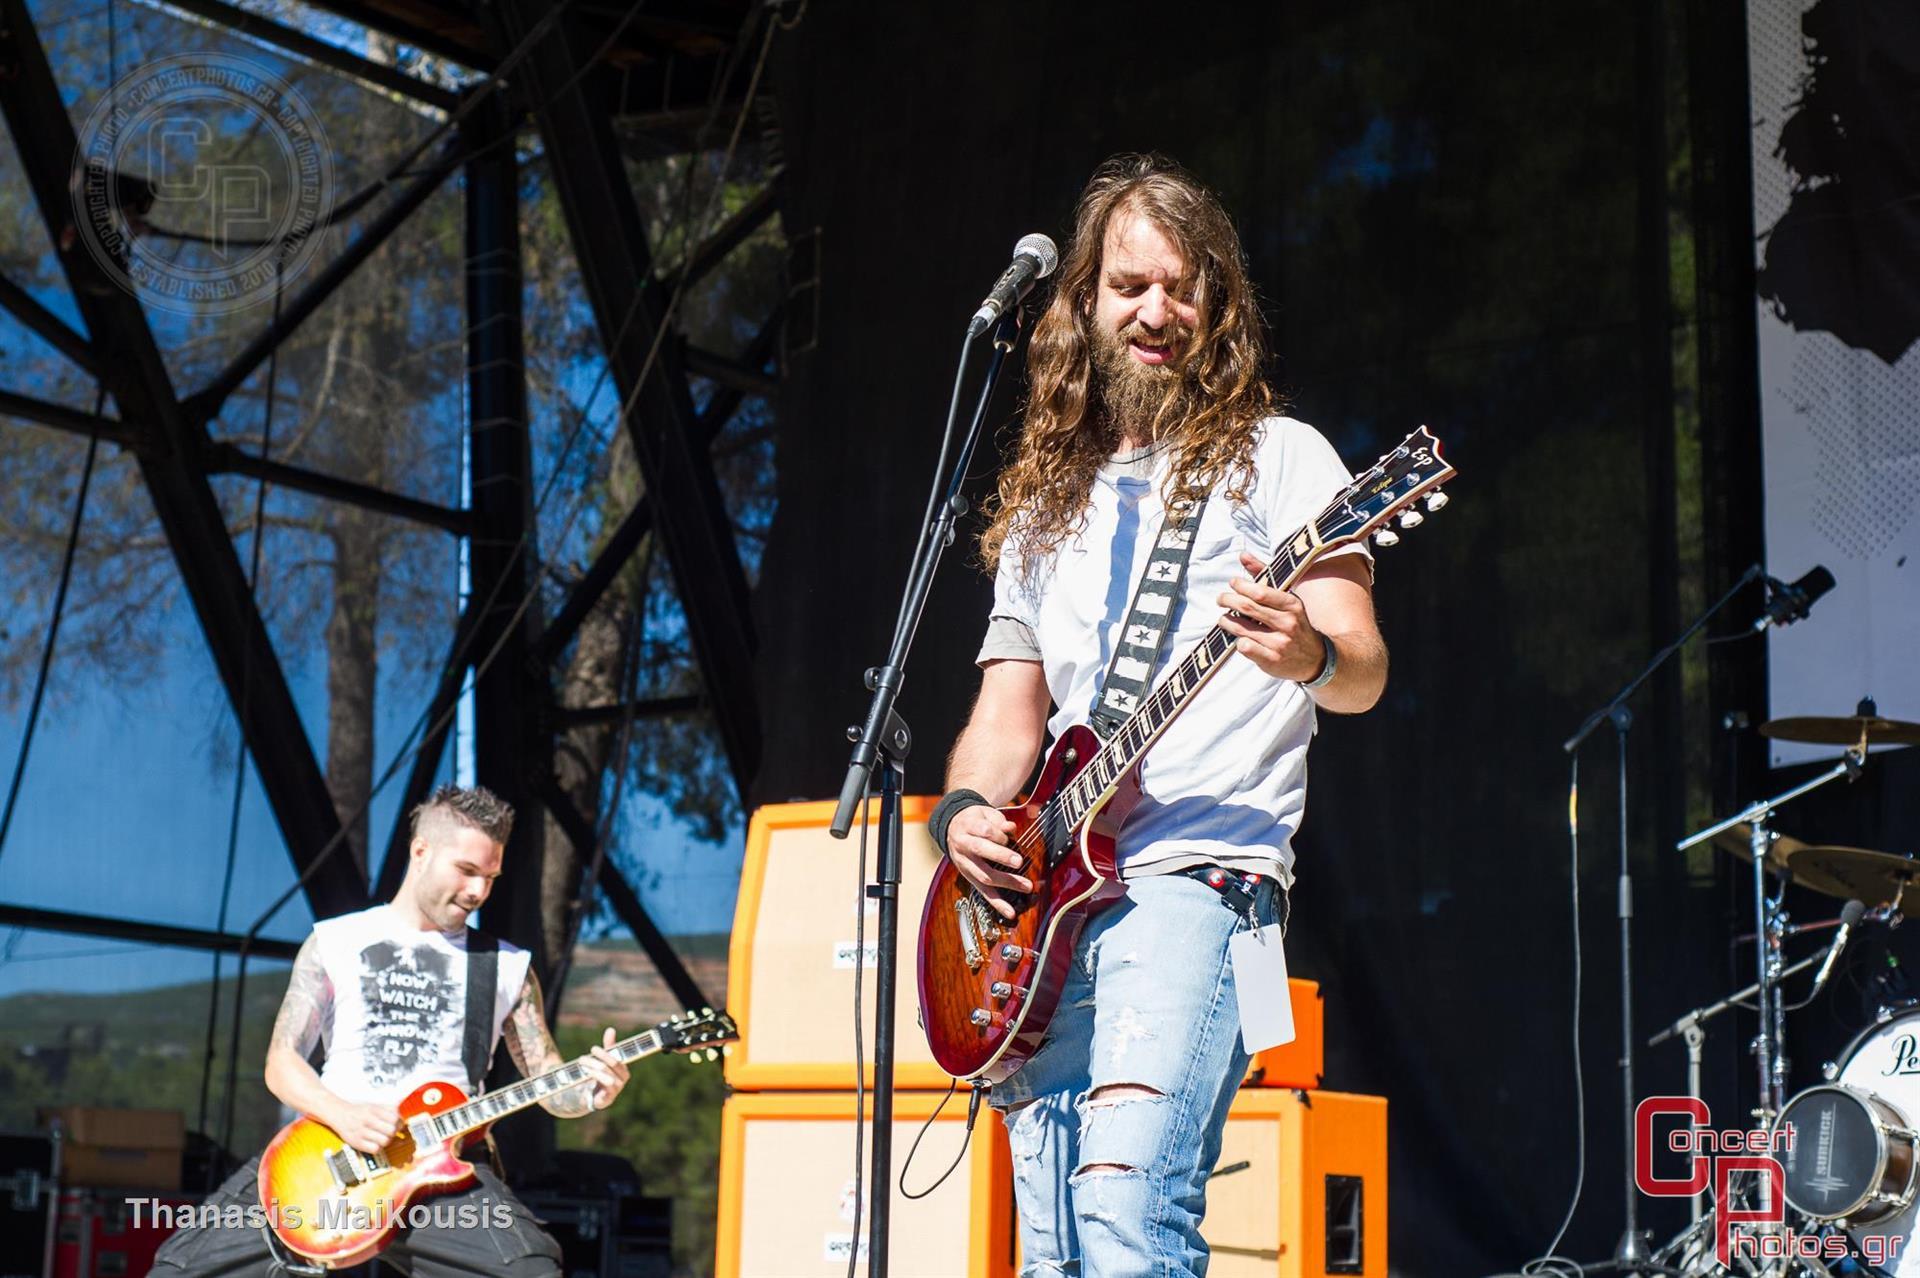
(1788,604)
(1849,915)
(1034,258)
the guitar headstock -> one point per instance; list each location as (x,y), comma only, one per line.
(1392,491)
(700,1034)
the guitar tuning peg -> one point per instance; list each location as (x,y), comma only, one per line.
(727,1050)
(676,1018)
(1436,500)
(1386,537)
(706,1011)
(694,1056)
(713,1053)
(1411,518)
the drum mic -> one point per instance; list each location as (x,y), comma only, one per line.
(1849,915)
(1787,604)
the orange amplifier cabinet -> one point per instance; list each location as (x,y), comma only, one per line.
(1303,1062)
(790,962)
(786,1189)
(1301,1187)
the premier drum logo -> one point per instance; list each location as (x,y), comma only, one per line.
(1754,1175)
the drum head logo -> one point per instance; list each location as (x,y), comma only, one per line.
(201,183)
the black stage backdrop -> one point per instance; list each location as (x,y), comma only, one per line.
(1524,225)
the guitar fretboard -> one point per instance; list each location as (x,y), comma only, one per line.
(518,1096)
(1126,747)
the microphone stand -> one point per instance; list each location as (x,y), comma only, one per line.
(1632,1254)
(882,741)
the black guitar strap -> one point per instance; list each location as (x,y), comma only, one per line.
(1149,620)
(483,974)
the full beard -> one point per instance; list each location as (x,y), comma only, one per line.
(1134,396)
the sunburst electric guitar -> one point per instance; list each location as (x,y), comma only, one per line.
(337,1206)
(988,986)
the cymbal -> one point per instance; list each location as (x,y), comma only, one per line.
(1876,878)
(1738,839)
(1843,730)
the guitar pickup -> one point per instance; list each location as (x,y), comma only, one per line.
(969,932)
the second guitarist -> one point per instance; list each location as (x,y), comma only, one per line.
(1147,383)
(400,995)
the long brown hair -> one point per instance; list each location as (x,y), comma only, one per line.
(1221,393)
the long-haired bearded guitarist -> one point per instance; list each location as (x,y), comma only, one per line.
(1148,388)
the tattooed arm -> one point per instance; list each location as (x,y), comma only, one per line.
(303,1014)
(533,1052)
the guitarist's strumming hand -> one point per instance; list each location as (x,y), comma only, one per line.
(367,1128)
(977,846)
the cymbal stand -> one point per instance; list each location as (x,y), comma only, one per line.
(1769,1047)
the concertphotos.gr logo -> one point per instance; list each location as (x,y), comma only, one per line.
(201,182)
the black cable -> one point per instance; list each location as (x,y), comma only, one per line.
(859,1045)
(973,1112)
(246,705)
(53,625)
(1550,1262)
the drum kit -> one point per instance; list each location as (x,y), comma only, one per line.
(1850,1147)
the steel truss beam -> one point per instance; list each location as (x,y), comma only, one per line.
(625,902)
(137,378)
(267,31)
(606,565)
(511,693)
(731,234)
(651,708)
(227,457)
(27,309)
(188,938)
(609,241)
(205,404)
(728,372)
(64,417)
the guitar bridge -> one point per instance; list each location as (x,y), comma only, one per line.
(969,931)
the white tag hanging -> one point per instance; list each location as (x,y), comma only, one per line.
(1260,984)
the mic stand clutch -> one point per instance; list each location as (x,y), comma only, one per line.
(882,740)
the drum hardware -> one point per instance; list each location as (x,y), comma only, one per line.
(1691,1029)
(1878,878)
(1858,731)
(1769,923)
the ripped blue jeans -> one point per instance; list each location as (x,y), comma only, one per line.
(1110,1186)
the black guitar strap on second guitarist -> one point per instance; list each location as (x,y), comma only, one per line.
(483,976)
(1143,638)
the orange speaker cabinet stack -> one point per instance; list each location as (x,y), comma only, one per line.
(1301,1187)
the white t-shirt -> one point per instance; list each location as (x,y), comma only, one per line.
(398,1004)
(1227,783)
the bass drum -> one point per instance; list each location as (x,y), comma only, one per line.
(1884,1060)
